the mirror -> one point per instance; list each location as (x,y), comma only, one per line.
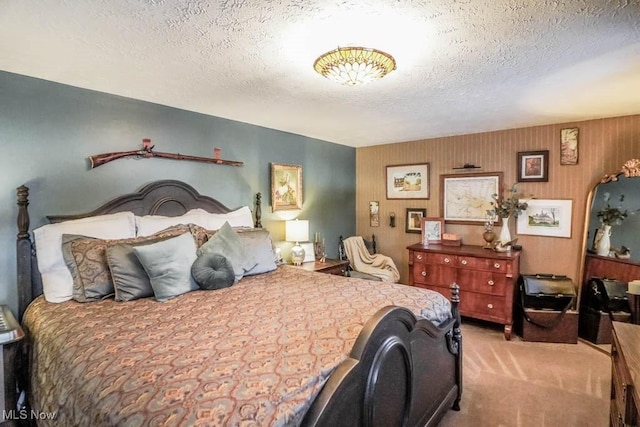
(620,195)
(614,200)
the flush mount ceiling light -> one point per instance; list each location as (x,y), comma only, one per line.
(354,66)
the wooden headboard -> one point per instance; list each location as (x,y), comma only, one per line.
(165,197)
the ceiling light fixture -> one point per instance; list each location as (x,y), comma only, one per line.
(353,66)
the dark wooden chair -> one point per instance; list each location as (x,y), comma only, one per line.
(349,272)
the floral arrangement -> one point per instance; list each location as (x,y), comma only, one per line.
(612,215)
(508,206)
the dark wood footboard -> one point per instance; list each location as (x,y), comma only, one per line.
(401,372)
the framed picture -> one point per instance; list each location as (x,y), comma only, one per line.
(569,146)
(408,181)
(550,218)
(466,198)
(414,220)
(533,166)
(374,214)
(432,230)
(309,252)
(286,187)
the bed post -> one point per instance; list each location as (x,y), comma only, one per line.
(259,210)
(24,252)
(457,341)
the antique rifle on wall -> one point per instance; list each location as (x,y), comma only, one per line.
(147,152)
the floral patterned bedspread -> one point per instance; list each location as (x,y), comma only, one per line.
(254,354)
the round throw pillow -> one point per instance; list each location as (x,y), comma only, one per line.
(212,271)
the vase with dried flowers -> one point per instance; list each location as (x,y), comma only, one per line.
(609,216)
(506,208)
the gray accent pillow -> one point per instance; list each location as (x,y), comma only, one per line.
(212,271)
(226,242)
(130,280)
(168,264)
(258,243)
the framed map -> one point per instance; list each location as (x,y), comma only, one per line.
(466,198)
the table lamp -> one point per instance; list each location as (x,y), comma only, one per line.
(297,231)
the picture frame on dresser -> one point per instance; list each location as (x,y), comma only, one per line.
(432,230)
(408,181)
(546,217)
(466,198)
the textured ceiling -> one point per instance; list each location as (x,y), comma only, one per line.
(464,66)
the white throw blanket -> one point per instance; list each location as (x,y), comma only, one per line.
(361,260)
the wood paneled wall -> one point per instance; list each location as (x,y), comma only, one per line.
(604,145)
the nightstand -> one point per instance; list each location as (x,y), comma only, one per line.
(10,335)
(330,266)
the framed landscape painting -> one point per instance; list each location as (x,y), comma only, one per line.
(550,218)
(408,181)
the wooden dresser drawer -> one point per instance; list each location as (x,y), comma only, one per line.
(622,388)
(435,275)
(481,264)
(482,281)
(434,258)
(481,306)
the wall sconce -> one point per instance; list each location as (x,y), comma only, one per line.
(392,219)
(297,231)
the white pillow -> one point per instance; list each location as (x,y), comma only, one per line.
(57,283)
(150,224)
(239,218)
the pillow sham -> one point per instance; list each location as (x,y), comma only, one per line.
(258,243)
(57,282)
(150,224)
(86,259)
(168,264)
(130,280)
(212,271)
(226,242)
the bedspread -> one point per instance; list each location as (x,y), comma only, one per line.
(256,353)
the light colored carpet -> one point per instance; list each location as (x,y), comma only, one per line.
(526,384)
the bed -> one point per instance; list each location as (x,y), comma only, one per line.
(282,347)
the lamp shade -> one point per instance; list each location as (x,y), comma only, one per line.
(297,230)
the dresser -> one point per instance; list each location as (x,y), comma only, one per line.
(625,374)
(487,279)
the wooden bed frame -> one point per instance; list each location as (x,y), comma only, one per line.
(401,371)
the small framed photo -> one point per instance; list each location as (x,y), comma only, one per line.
(432,230)
(286,187)
(414,220)
(408,181)
(550,218)
(309,252)
(569,146)
(533,166)
(374,214)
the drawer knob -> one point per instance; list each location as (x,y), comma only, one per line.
(496,265)
(424,273)
(491,283)
(490,306)
(419,256)
(447,260)
(464,262)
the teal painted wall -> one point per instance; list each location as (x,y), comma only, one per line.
(47,131)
